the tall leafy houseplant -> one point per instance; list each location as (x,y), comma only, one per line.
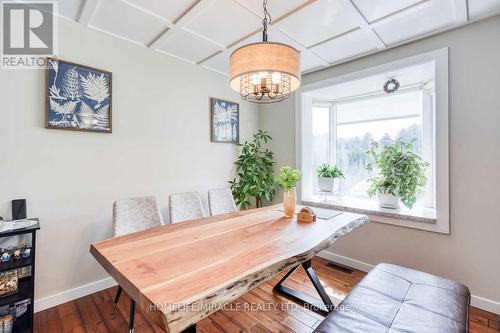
(401,172)
(287,180)
(254,172)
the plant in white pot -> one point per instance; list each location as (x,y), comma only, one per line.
(326,176)
(401,174)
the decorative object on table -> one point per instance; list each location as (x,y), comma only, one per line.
(255,172)
(391,86)
(401,174)
(287,180)
(225,121)
(326,176)
(265,72)
(8,283)
(306,215)
(5,257)
(6,323)
(19,209)
(78,97)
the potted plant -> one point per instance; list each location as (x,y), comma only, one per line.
(255,172)
(401,174)
(326,176)
(287,180)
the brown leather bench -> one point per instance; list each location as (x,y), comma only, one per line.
(395,299)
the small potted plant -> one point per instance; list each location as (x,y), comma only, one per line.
(401,174)
(327,173)
(287,180)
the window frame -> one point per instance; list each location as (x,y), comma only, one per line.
(441,222)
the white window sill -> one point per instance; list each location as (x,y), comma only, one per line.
(417,218)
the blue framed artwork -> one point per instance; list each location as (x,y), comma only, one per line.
(78,97)
(225,121)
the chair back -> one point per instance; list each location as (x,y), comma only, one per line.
(185,206)
(221,201)
(135,214)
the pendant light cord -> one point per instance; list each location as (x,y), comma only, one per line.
(267,20)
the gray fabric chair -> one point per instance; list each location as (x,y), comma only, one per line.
(185,206)
(221,201)
(132,215)
(135,214)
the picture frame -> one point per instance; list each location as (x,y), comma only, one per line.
(224,121)
(78,97)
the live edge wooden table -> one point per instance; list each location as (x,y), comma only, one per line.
(179,274)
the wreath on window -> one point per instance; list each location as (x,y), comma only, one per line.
(391,86)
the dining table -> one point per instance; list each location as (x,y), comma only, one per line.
(178,274)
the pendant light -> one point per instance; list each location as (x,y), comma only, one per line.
(265,72)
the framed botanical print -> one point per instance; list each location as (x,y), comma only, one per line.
(225,121)
(78,97)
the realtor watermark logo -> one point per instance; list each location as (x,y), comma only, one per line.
(29,33)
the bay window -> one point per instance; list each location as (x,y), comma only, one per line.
(340,119)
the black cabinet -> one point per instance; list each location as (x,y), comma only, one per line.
(26,284)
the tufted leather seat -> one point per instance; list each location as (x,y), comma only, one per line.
(393,299)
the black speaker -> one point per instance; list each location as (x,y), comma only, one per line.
(19,209)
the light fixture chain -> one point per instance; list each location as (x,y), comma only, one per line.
(267,20)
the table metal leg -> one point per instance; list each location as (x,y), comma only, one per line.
(117,298)
(323,306)
(132,316)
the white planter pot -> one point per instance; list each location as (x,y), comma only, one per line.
(386,200)
(326,184)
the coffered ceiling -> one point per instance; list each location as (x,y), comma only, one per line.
(327,32)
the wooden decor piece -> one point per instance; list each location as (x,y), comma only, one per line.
(306,215)
(179,274)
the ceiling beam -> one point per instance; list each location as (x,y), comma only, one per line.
(461,11)
(366,27)
(87,11)
(180,22)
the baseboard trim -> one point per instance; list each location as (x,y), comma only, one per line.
(71,294)
(476,301)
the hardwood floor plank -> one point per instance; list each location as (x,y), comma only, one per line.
(248,314)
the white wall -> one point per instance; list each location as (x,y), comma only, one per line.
(471,253)
(160,145)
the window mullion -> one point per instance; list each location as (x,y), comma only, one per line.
(333,134)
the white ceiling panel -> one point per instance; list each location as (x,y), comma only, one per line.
(168,9)
(308,59)
(220,62)
(345,46)
(320,21)
(276,8)
(481,8)
(427,17)
(188,46)
(225,21)
(130,23)
(324,31)
(373,10)
(70,8)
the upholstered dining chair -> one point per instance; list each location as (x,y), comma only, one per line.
(185,206)
(132,215)
(221,201)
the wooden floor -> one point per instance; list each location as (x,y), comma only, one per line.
(258,311)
